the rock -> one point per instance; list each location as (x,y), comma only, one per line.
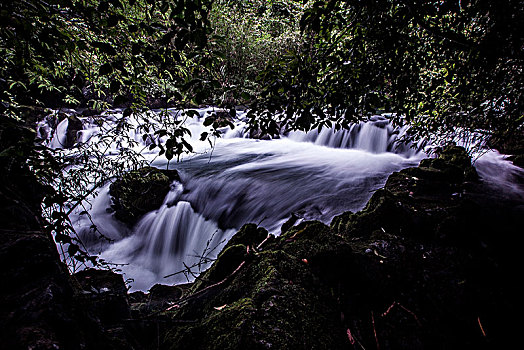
(159,298)
(249,235)
(74,125)
(140,191)
(104,294)
(518,160)
(419,267)
(289,223)
(430,262)
(101,281)
(162,292)
(269,301)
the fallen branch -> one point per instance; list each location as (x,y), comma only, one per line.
(481,328)
(374,330)
(264,241)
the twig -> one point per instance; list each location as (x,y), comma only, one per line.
(202,291)
(264,241)
(261,221)
(100,183)
(385,313)
(353,339)
(481,328)
(374,330)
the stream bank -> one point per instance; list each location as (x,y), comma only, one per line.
(428,263)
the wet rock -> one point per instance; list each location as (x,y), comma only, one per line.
(518,159)
(267,302)
(249,235)
(74,125)
(101,281)
(419,267)
(289,223)
(140,191)
(165,292)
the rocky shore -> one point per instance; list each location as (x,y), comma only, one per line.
(429,263)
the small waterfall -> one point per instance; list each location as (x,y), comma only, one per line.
(167,241)
(504,179)
(95,210)
(375,136)
(174,236)
(314,176)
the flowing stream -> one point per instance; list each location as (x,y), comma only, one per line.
(312,176)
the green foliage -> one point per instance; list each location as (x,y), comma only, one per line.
(97,54)
(440,66)
(247,37)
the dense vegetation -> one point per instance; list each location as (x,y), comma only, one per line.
(440,66)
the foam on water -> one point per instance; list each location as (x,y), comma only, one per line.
(314,176)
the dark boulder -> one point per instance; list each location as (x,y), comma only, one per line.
(104,295)
(422,266)
(36,298)
(140,191)
(74,126)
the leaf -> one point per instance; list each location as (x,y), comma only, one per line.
(203,136)
(127,112)
(188,146)
(161,132)
(105,47)
(169,153)
(62,238)
(219,308)
(208,121)
(192,113)
(114,86)
(80,258)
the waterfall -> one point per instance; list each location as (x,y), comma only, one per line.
(169,241)
(313,176)
(376,136)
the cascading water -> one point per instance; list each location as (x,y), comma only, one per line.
(59,138)
(314,176)
(375,136)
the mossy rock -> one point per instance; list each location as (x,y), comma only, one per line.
(249,235)
(140,191)
(417,268)
(275,300)
(228,260)
(412,198)
(384,211)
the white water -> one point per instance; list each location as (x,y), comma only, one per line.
(314,176)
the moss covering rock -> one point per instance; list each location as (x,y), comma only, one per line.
(429,263)
(140,191)
(418,268)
